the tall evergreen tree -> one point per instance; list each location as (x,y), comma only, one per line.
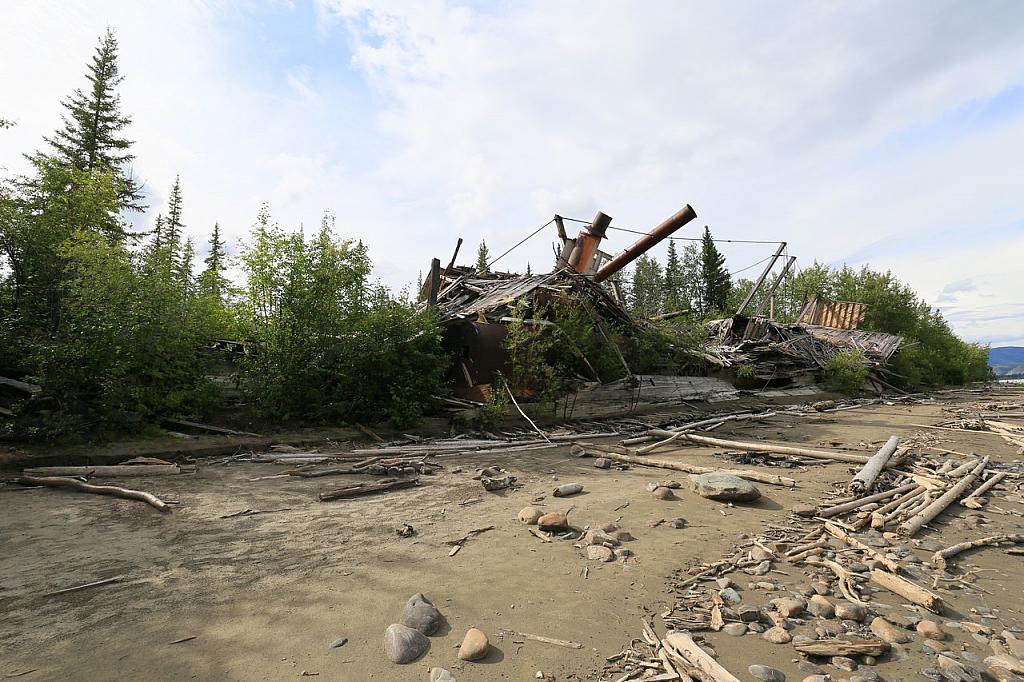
(716,279)
(212,280)
(482,257)
(173,226)
(674,295)
(188,254)
(647,295)
(692,283)
(92,137)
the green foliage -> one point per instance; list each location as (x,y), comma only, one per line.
(647,288)
(328,344)
(529,344)
(92,135)
(482,258)
(746,372)
(846,372)
(714,277)
(127,341)
(493,410)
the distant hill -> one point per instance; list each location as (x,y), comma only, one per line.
(1007,361)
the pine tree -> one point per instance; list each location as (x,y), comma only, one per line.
(674,298)
(715,277)
(212,280)
(188,254)
(92,136)
(173,226)
(482,256)
(647,296)
(158,231)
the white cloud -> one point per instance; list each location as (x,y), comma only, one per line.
(845,129)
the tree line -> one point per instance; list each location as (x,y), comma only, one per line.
(116,322)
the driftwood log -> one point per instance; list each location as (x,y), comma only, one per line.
(775,449)
(940,558)
(113,471)
(697,657)
(878,517)
(841,647)
(837,532)
(757,476)
(974,501)
(914,524)
(367,489)
(865,478)
(207,427)
(908,590)
(860,502)
(111,490)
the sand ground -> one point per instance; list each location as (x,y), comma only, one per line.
(263,596)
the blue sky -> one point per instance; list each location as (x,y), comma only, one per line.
(878,132)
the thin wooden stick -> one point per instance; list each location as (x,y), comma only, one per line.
(776,449)
(850,506)
(770,479)
(548,640)
(95,583)
(542,434)
(841,534)
(973,500)
(112,490)
(940,558)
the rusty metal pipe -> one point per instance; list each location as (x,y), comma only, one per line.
(645,243)
(588,241)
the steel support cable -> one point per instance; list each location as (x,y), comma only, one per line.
(520,243)
(684,239)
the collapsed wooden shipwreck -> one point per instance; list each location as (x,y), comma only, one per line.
(476,309)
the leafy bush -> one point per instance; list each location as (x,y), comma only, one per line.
(846,372)
(328,344)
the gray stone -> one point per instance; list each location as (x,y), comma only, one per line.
(755,627)
(567,489)
(420,614)
(821,607)
(776,635)
(817,678)
(678,523)
(843,663)
(441,675)
(723,487)
(735,629)
(404,644)
(932,674)
(934,646)
(603,463)
(623,552)
(759,554)
(663,493)
(801,639)
(761,569)
(864,675)
(730,596)
(822,588)
(599,553)
(723,583)
(748,613)
(763,672)
(789,606)
(808,668)
(529,516)
(652,486)
(623,536)
(765,586)
(848,611)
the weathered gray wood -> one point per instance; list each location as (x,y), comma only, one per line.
(865,478)
(114,491)
(914,524)
(111,471)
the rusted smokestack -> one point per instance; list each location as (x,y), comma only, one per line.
(642,245)
(587,242)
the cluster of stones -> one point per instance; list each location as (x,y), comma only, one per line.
(407,640)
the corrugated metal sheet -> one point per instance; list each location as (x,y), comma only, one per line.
(822,312)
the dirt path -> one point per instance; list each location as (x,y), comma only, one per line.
(263,596)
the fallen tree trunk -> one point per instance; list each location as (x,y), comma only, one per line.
(697,657)
(908,590)
(841,647)
(112,471)
(912,525)
(865,478)
(775,449)
(938,559)
(207,427)
(111,490)
(367,489)
(757,476)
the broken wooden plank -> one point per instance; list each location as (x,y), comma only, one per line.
(842,647)
(207,427)
(367,489)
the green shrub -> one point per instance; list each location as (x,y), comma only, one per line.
(846,372)
(746,372)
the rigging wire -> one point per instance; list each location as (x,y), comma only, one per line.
(520,243)
(683,239)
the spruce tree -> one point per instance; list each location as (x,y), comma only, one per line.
(185,266)
(212,280)
(715,277)
(173,226)
(482,256)
(92,137)
(674,299)
(529,272)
